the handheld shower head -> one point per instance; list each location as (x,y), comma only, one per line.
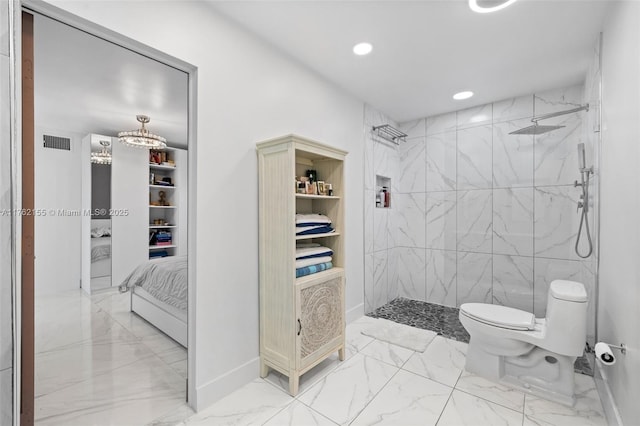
(582,161)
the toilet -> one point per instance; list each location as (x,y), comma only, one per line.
(533,354)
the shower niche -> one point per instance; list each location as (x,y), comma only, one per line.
(383,192)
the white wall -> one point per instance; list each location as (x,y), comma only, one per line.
(129,232)
(247,92)
(58,236)
(620,203)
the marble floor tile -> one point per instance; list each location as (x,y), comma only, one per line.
(408,337)
(133,394)
(408,399)
(341,395)
(253,404)
(61,321)
(297,414)
(165,347)
(308,379)
(92,369)
(180,367)
(355,340)
(61,367)
(491,391)
(387,352)
(443,361)
(174,416)
(587,410)
(464,409)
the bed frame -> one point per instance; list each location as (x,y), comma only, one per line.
(158,315)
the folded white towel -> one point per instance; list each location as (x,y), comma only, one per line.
(310,251)
(312,218)
(307,245)
(313,261)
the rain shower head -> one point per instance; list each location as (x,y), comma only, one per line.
(536,129)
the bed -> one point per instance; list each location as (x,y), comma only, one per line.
(159,294)
(100,253)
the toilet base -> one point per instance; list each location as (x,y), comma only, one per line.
(538,372)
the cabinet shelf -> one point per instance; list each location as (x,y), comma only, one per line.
(319,275)
(317,197)
(161,167)
(308,237)
(161,226)
(162,207)
(162,186)
(155,247)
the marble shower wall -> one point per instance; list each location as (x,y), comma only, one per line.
(380,158)
(484,216)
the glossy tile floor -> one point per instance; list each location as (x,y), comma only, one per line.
(380,383)
(99,364)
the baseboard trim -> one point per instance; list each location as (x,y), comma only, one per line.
(611,412)
(354,313)
(225,384)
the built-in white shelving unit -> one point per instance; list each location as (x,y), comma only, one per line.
(164,188)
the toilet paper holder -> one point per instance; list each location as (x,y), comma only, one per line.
(622,347)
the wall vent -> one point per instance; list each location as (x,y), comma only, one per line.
(56,142)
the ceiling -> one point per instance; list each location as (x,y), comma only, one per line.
(425,51)
(84,85)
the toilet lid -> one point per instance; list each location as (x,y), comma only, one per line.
(499,316)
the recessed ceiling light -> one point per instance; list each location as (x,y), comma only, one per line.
(462,95)
(362,49)
(487,6)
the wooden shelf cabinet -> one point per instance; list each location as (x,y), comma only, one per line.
(301,319)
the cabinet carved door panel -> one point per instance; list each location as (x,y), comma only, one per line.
(320,315)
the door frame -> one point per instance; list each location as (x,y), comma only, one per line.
(46,9)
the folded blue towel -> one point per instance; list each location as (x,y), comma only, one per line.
(303,224)
(317,230)
(308,270)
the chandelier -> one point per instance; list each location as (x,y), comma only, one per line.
(103,156)
(141,138)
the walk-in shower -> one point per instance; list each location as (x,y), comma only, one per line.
(585,172)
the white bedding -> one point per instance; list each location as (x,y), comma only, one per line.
(165,279)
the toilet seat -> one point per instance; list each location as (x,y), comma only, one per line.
(499,316)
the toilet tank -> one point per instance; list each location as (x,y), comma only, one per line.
(566,319)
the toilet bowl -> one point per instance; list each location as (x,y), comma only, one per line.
(534,354)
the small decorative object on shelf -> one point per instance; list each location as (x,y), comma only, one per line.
(321,188)
(312,175)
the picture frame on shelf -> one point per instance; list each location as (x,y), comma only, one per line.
(321,188)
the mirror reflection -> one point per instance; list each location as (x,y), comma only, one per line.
(100,214)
